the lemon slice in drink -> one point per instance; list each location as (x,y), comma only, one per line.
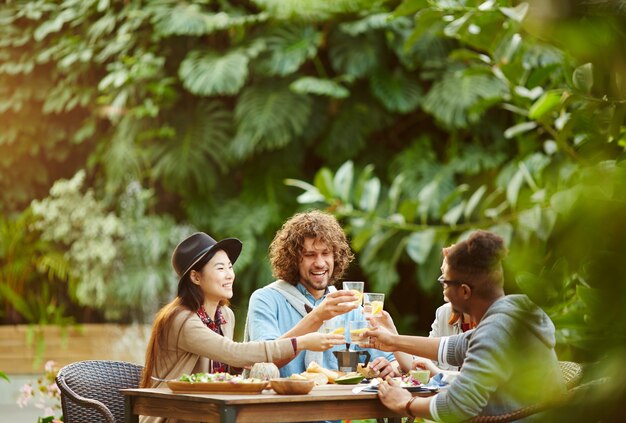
(358,294)
(339,331)
(358,331)
(377,307)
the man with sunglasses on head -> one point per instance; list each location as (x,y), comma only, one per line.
(507,362)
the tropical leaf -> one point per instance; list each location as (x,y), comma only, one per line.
(456,100)
(355,121)
(397,91)
(354,56)
(196,154)
(269,116)
(182,19)
(212,73)
(375,21)
(311,10)
(288,48)
(319,86)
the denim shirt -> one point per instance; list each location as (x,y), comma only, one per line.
(270,316)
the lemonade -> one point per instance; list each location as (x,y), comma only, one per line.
(359,296)
(377,307)
(373,303)
(338,331)
(357,328)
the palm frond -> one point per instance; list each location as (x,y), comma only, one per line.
(288,48)
(191,19)
(457,100)
(212,73)
(269,116)
(371,22)
(319,86)
(198,152)
(356,120)
(355,56)
(396,90)
(311,10)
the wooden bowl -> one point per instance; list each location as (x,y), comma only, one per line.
(286,386)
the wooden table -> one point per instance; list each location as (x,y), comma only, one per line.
(330,402)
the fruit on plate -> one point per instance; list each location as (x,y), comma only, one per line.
(216,378)
(367,371)
(318,378)
(314,367)
(264,371)
(351,378)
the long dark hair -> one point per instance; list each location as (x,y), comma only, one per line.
(189,298)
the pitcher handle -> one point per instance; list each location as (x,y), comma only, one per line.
(367,357)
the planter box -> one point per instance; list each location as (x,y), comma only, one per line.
(75,343)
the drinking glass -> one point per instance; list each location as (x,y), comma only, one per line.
(357,327)
(335,326)
(357,288)
(373,303)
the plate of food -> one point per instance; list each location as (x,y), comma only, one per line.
(221,383)
(410,384)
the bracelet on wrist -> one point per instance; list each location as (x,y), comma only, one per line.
(407,407)
(294,344)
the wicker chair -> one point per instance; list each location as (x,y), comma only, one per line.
(90,390)
(572,375)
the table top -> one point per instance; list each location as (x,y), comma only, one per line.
(328,402)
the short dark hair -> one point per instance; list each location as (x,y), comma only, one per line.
(478,258)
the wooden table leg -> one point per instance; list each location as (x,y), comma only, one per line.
(129,417)
(229,414)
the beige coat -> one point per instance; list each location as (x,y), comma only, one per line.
(191,346)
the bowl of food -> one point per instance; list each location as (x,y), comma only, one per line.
(289,386)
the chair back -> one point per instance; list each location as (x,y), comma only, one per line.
(572,373)
(90,390)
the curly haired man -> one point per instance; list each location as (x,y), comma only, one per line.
(308,255)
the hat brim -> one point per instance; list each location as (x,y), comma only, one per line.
(232,247)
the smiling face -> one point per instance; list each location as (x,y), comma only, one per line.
(316,266)
(216,278)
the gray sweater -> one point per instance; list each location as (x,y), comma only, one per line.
(508,362)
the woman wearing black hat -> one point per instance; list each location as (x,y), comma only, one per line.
(194,332)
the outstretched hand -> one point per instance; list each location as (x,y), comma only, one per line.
(380,338)
(335,304)
(316,341)
(382,319)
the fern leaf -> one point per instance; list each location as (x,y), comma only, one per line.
(269,116)
(288,48)
(457,100)
(319,86)
(397,91)
(211,73)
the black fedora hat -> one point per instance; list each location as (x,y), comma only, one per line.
(191,250)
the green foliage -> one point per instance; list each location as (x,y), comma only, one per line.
(214,73)
(268,116)
(415,126)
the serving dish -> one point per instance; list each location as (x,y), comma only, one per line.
(217,387)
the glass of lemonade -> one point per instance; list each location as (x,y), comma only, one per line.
(356,287)
(357,327)
(336,326)
(373,303)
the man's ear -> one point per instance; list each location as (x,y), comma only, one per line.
(466,290)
